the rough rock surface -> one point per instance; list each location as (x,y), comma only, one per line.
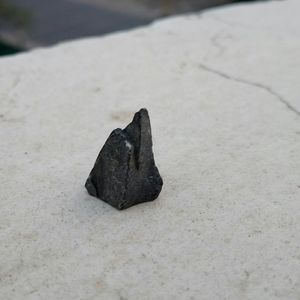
(223,91)
(125,173)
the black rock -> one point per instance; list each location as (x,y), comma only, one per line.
(124,173)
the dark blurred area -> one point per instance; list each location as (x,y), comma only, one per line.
(25,24)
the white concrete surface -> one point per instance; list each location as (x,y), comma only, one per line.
(222,89)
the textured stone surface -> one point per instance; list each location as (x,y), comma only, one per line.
(125,173)
(222,88)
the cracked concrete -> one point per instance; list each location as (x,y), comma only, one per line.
(254,84)
(226,138)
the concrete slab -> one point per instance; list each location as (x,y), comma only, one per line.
(222,91)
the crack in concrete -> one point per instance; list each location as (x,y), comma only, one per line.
(227,23)
(251,83)
(238,25)
(215,42)
(16,82)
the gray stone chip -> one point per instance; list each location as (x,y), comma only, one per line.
(125,173)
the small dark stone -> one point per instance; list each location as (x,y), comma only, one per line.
(124,173)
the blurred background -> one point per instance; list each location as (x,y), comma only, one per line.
(25,24)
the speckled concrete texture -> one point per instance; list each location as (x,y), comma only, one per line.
(222,90)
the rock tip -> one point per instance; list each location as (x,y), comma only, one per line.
(143,111)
